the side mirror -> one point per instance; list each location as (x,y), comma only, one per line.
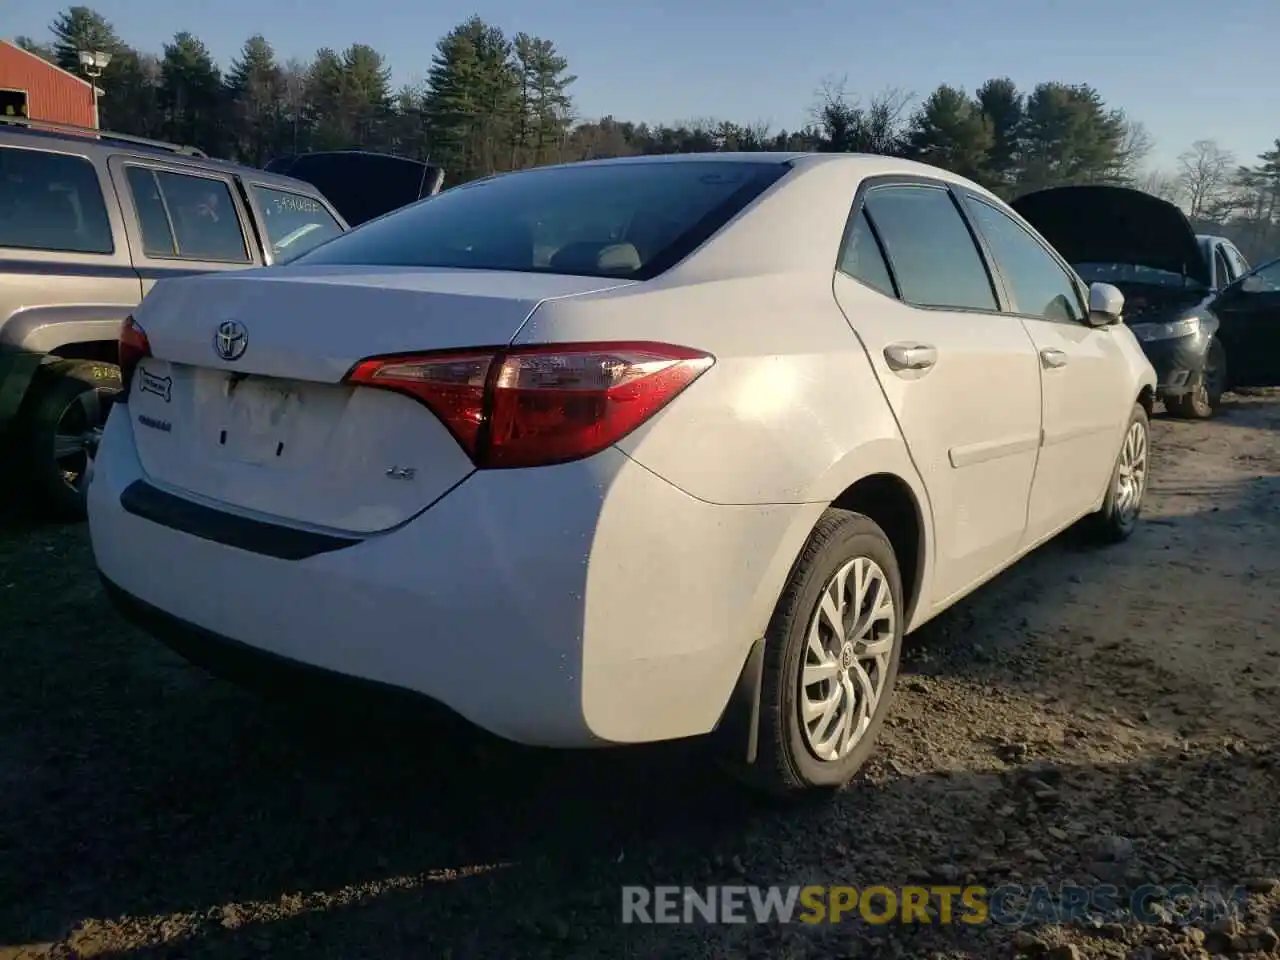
(1106,305)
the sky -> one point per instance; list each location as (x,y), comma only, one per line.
(1186,70)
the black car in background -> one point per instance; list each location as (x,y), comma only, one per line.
(1201,340)
(362,184)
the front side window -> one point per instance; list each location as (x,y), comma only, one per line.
(1040,287)
(1222,269)
(186,217)
(930,249)
(1240,264)
(52,201)
(295,223)
(625,220)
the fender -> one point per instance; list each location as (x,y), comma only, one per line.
(29,335)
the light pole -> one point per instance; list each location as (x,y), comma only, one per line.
(93,62)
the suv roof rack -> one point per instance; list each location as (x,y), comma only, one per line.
(49,126)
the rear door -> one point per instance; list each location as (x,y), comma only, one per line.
(181,220)
(961,377)
(1248,312)
(1085,389)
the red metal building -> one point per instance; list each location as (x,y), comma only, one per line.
(43,91)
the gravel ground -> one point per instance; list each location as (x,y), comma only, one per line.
(1091,716)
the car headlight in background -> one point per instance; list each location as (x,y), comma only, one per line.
(1166,331)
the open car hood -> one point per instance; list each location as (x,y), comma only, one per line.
(362,185)
(1115,225)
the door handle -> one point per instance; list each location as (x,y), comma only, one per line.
(910,356)
(1052,358)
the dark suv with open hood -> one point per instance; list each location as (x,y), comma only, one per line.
(1205,327)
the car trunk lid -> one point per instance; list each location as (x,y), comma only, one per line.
(243,401)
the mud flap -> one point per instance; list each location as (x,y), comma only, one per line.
(737,735)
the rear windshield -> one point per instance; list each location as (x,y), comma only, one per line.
(628,220)
(1133,273)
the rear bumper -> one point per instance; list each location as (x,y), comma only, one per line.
(248,666)
(1178,363)
(569,606)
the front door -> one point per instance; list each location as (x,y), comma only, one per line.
(962,379)
(1085,390)
(1249,327)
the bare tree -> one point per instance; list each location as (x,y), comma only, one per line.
(1204,171)
(1135,146)
(847,126)
(1162,184)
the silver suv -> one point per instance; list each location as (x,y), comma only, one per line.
(89,221)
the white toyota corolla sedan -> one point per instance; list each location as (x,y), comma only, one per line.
(622,451)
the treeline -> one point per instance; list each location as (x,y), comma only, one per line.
(492,102)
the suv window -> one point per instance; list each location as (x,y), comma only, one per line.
(186,217)
(52,201)
(930,249)
(1040,287)
(863,259)
(295,223)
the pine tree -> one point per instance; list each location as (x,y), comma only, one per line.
(950,131)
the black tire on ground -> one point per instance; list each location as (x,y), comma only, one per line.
(1217,381)
(64,399)
(1206,393)
(1113,522)
(786,764)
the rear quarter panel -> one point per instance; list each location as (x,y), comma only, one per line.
(791,412)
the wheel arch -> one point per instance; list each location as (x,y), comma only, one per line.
(896,500)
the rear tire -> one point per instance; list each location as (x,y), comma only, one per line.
(59,415)
(818,734)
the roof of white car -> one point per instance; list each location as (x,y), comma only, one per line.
(868,164)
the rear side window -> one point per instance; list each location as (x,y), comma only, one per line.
(863,259)
(52,201)
(295,223)
(1039,285)
(624,220)
(186,217)
(932,253)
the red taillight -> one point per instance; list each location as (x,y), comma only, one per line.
(532,406)
(132,347)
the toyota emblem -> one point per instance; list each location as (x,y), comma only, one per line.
(231,340)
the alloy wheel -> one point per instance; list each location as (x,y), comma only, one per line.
(846,659)
(78,428)
(1131,482)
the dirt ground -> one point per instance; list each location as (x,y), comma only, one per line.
(1091,716)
